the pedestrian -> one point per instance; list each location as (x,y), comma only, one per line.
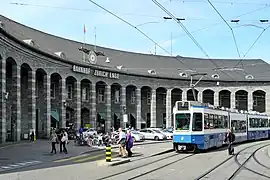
(64,141)
(229,138)
(53,141)
(60,136)
(122,142)
(129,143)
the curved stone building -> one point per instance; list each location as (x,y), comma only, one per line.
(49,81)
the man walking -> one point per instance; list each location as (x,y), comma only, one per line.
(230,138)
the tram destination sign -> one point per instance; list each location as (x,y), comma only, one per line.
(80,69)
(106,74)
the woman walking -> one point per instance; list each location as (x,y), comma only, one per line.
(122,143)
(64,141)
(53,141)
(129,143)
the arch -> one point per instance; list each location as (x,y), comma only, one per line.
(131,86)
(56,75)
(71,78)
(40,70)
(208,96)
(11,60)
(116,85)
(241,100)
(174,90)
(224,98)
(161,89)
(146,87)
(190,96)
(259,101)
(86,81)
(101,83)
(26,66)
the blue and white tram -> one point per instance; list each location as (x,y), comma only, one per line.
(258,127)
(197,126)
(200,126)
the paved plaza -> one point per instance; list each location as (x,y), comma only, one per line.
(145,166)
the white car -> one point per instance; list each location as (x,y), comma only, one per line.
(137,136)
(169,134)
(152,134)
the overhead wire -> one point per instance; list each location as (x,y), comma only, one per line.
(253,44)
(226,2)
(189,34)
(177,58)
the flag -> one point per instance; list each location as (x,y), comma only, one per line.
(84,29)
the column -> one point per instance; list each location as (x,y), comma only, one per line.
(16,100)
(32,100)
(233,99)
(267,101)
(108,108)
(62,86)
(153,109)
(78,104)
(47,104)
(184,95)
(216,99)
(93,105)
(250,101)
(138,108)
(169,108)
(3,101)
(123,105)
(200,96)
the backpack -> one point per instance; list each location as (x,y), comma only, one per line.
(233,137)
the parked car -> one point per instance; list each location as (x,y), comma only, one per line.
(152,134)
(168,133)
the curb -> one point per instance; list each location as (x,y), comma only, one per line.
(95,150)
(163,152)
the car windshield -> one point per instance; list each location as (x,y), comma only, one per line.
(157,131)
(134,132)
(182,121)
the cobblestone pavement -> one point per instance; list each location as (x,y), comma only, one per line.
(170,165)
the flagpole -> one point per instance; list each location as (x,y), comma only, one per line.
(84,31)
(95,38)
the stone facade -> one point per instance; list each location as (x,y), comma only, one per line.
(38,92)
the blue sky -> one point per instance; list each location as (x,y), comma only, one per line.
(201,20)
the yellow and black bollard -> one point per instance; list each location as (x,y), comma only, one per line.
(108,153)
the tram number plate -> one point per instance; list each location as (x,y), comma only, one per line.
(182,147)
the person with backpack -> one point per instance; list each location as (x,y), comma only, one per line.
(229,138)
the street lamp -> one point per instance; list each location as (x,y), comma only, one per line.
(192,85)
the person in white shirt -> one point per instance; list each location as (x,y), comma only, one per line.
(122,143)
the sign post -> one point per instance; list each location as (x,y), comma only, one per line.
(125,119)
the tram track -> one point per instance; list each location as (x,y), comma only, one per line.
(240,165)
(147,164)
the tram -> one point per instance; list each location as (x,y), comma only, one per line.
(200,126)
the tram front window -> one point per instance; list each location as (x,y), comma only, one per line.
(182,121)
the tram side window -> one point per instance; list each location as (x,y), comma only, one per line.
(220,122)
(206,121)
(211,121)
(215,121)
(226,121)
(197,122)
(239,126)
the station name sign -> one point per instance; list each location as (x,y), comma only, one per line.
(99,73)
(79,69)
(106,74)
